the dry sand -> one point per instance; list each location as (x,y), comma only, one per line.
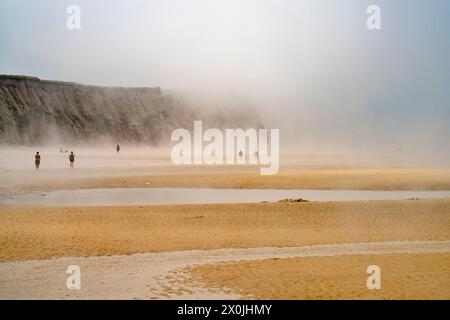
(227,177)
(40,233)
(357,179)
(403,276)
(168,275)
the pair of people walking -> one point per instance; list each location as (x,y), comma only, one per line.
(37,160)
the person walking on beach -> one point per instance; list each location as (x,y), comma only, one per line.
(37,160)
(117,149)
(71,159)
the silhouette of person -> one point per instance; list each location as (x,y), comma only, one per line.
(240,153)
(71,159)
(118,149)
(37,160)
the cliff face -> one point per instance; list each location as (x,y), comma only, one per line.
(34,111)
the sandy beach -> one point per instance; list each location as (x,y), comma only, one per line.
(153,169)
(186,274)
(46,232)
(226,177)
(268,249)
(111,245)
(405,276)
(224,150)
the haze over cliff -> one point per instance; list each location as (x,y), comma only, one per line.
(34,111)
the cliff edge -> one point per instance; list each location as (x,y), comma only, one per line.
(35,111)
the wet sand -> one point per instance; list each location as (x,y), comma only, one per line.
(171,196)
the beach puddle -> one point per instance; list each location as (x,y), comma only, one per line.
(147,196)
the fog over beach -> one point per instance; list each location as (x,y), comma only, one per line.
(309,68)
(241,149)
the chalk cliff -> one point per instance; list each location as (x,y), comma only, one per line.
(35,111)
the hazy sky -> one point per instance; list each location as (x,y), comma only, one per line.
(312,67)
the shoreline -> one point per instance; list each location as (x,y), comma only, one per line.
(343,179)
(201,196)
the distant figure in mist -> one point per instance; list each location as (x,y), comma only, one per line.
(37,160)
(240,154)
(118,149)
(256,154)
(71,159)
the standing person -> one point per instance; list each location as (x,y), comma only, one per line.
(37,160)
(117,149)
(257,155)
(71,159)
